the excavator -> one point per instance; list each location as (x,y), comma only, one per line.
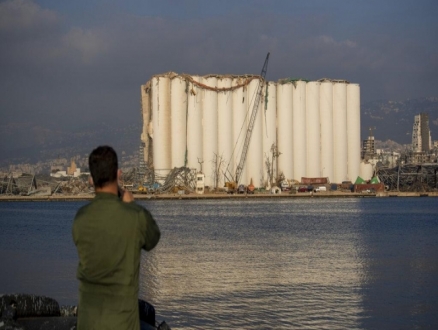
(233,185)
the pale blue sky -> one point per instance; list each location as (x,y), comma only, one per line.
(66,63)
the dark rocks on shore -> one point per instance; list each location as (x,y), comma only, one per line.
(31,312)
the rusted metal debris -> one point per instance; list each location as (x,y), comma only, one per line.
(410,177)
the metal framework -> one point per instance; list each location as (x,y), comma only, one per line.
(26,185)
(410,177)
(180,178)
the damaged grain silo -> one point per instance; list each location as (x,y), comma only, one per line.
(200,122)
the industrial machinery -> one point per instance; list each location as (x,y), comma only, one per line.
(251,122)
(239,169)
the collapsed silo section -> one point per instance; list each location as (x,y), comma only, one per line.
(269,119)
(194,123)
(209,130)
(340,132)
(299,129)
(254,160)
(353,131)
(161,124)
(313,130)
(145,138)
(285,164)
(326,120)
(178,125)
(225,126)
(239,125)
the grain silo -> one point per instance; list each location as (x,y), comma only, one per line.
(312,128)
(339,132)
(178,126)
(353,131)
(209,129)
(239,125)
(284,130)
(254,171)
(366,171)
(269,132)
(326,120)
(161,124)
(194,123)
(146,115)
(299,129)
(225,127)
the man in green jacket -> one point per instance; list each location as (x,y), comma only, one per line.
(109,234)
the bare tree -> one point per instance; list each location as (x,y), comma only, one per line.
(269,162)
(218,162)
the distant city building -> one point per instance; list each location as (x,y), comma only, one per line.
(421,138)
(71,171)
(389,159)
(368,146)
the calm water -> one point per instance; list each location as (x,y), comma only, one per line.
(265,264)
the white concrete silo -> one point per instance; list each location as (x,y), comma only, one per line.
(146,118)
(326,120)
(194,123)
(225,125)
(269,118)
(353,131)
(366,171)
(313,130)
(254,161)
(178,125)
(299,145)
(161,124)
(340,132)
(239,127)
(209,130)
(285,164)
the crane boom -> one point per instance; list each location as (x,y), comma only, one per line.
(251,122)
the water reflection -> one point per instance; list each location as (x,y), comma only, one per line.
(256,265)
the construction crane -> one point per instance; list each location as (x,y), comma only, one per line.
(251,122)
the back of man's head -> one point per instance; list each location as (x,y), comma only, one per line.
(103,165)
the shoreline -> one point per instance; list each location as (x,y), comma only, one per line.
(139,197)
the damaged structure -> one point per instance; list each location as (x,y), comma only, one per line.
(199,122)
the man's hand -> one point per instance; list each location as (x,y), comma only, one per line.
(127,196)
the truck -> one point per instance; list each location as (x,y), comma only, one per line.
(230,187)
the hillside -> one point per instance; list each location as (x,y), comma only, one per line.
(393,120)
(25,143)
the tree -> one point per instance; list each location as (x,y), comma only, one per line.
(269,162)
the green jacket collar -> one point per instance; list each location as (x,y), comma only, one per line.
(105,195)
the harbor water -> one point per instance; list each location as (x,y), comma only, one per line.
(347,263)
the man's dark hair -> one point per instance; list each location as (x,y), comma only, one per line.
(103,165)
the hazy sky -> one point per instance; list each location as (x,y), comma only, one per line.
(72,63)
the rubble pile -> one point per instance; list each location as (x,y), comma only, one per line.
(74,186)
(180,178)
